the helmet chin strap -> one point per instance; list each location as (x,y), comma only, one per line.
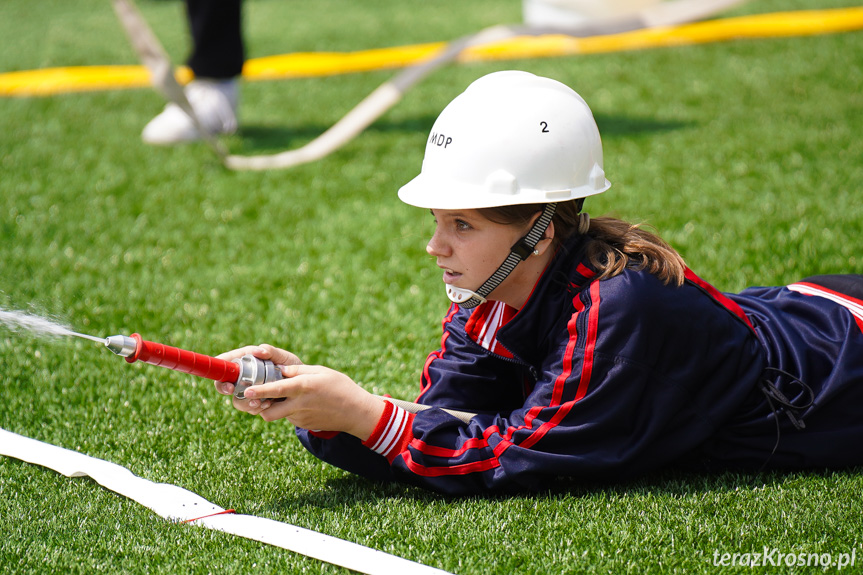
(519,252)
(463,297)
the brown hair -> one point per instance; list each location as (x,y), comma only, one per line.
(614,244)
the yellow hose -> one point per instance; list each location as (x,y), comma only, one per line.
(50,81)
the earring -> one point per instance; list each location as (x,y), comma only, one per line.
(536,252)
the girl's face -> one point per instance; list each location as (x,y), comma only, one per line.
(469,248)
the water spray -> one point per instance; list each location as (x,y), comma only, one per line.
(243,372)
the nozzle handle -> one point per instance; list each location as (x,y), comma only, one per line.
(183,360)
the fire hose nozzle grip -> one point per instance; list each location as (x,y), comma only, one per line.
(254,371)
(175,358)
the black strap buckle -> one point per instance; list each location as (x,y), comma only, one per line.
(522,249)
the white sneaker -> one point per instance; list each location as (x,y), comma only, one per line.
(215,105)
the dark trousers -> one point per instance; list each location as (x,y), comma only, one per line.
(848,284)
(217,40)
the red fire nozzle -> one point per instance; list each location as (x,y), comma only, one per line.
(242,372)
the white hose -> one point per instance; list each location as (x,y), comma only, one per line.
(177,504)
(374,105)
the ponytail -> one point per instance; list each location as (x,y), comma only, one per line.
(614,245)
(617,245)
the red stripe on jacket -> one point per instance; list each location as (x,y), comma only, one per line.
(425,380)
(723,300)
(586,371)
(557,392)
(852,304)
(585,271)
(461,469)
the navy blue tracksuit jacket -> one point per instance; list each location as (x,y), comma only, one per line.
(614,378)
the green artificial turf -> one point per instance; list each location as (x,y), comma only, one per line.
(745,155)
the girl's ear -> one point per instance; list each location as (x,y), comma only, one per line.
(546,241)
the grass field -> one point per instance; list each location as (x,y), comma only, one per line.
(745,155)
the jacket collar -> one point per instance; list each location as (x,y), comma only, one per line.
(549,303)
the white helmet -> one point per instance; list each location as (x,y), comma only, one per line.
(510,138)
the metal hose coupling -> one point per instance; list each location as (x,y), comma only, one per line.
(254,371)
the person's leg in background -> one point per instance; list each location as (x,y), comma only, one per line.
(216,59)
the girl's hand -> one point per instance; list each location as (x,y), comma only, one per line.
(264,351)
(316,397)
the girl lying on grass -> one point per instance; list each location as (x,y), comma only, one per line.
(586,348)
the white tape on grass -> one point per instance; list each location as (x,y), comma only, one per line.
(177,504)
